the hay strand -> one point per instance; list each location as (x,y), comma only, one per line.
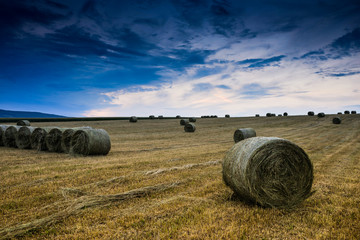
(66,137)
(269,171)
(53,140)
(243,133)
(23,137)
(90,142)
(9,137)
(189,127)
(23,123)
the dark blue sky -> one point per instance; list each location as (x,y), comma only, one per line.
(188,57)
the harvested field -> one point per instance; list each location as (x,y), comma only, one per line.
(159,182)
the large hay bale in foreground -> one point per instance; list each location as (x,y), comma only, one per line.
(53,140)
(269,171)
(23,123)
(183,122)
(311,113)
(23,137)
(336,120)
(90,142)
(66,137)
(243,133)
(2,132)
(189,127)
(38,136)
(9,137)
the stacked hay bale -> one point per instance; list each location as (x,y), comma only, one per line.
(269,171)
(243,133)
(23,123)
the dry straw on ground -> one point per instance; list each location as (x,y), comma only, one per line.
(23,137)
(269,171)
(90,142)
(23,123)
(53,140)
(9,137)
(189,127)
(66,137)
(243,133)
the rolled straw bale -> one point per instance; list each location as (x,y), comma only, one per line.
(9,137)
(189,127)
(66,137)
(279,115)
(311,113)
(152,117)
(353,112)
(23,123)
(339,113)
(285,114)
(257,115)
(321,115)
(38,136)
(227,115)
(160,117)
(269,171)
(273,115)
(90,142)
(192,119)
(268,114)
(336,120)
(178,116)
(346,112)
(53,140)
(2,132)
(23,137)
(184,121)
(243,133)
(133,119)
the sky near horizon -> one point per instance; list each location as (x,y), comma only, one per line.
(179,57)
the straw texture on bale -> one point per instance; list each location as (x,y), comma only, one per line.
(243,133)
(90,142)
(2,132)
(53,140)
(321,115)
(192,119)
(336,120)
(23,137)
(183,122)
(269,171)
(66,137)
(190,127)
(311,113)
(38,138)
(23,123)
(9,137)
(133,119)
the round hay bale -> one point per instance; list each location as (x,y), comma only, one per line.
(23,137)
(189,127)
(23,123)
(311,113)
(160,117)
(268,114)
(2,132)
(269,171)
(346,112)
(353,112)
(9,137)
(339,113)
(183,122)
(321,115)
(257,115)
(336,120)
(133,119)
(285,114)
(67,135)
(192,119)
(53,140)
(273,115)
(90,142)
(152,117)
(243,133)
(279,115)
(227,115)
(37,138)
(178,116)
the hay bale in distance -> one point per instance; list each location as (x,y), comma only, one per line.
(257,115)
(339,113)
(23,123)
(160,117)
(321,115)
(227,115)
(243,133)
(152,117)
(279,115)
(23,137)
(269,171)
(268,114)
(178,116)
(311,113)
(53,139)
(346,112)
(336,120)
(192,119)
(353,112)
(133,119)
(9,137)
(90,142)
(66,137)
(183,122)
(285,114)
(189,127)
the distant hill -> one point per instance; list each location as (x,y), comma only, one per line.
(24,114)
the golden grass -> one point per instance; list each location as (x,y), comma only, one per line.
(39,185)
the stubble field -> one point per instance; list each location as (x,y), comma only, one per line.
(159,182)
